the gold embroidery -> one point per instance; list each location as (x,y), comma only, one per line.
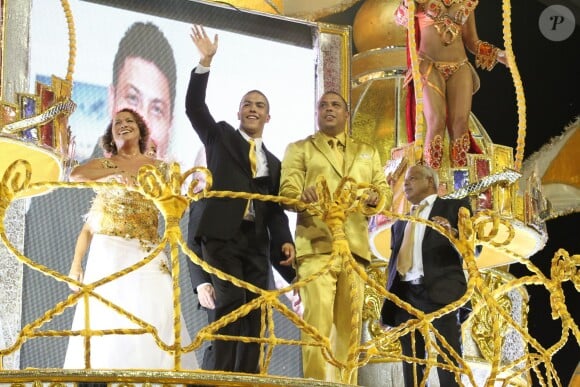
(458,150)
(126,214)
(106,163)
(447,21)
(433,152)
(164,267)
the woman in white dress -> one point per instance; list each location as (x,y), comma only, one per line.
(121,229)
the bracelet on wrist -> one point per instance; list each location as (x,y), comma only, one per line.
(486,55)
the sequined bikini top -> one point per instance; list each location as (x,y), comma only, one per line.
(127,214)
(448,16)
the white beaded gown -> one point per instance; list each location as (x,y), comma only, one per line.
(124,227)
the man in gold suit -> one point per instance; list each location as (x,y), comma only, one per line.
(327,300)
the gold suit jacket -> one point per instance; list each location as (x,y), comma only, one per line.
(311,157)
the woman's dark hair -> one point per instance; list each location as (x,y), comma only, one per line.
(107,142)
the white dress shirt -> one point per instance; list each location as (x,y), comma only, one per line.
(261,162)
(416,270)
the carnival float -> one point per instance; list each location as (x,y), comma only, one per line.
(513,199)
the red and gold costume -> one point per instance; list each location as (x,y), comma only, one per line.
(448,18)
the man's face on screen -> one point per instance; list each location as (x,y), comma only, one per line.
(141,86)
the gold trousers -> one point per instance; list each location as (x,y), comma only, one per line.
(327,306)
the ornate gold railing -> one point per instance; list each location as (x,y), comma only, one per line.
(490,319)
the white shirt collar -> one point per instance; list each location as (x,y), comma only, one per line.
(429,200)
(258,141)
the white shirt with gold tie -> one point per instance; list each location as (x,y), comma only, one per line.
(416,270)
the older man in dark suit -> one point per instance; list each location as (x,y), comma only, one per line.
(235,234)
(425,269)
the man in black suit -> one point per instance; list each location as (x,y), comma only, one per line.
(235,234)
(201,280)
(434,275)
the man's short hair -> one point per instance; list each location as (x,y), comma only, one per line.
(430,172)
(337,94)
(262,94)
(146,41)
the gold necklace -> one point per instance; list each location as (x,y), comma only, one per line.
(128,155)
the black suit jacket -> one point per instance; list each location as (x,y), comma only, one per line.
(199,276)
(227,159)
(444,278)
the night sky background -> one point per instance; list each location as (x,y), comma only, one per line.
(549,71)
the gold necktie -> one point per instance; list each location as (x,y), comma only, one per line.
(248,213)
(252,156)
(336,148)
(405,257)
